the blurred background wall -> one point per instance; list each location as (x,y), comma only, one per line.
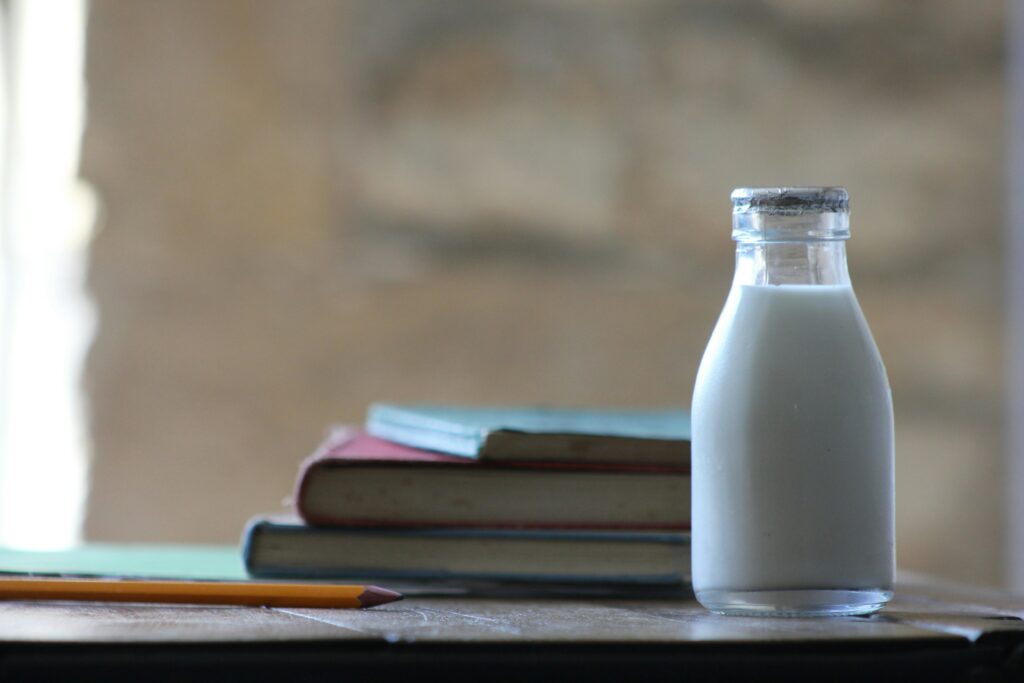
(307,206)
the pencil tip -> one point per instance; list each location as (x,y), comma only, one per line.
(375,595)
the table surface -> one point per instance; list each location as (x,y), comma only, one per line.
(950,630)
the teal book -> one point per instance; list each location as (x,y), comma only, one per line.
(642,437)
(287,549)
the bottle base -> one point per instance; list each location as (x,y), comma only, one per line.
(794,603)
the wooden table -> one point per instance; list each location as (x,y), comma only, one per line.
(932,630)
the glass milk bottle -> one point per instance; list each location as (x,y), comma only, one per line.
(792,423)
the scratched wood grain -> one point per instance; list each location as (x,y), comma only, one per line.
(921,610)
(99,622)
(476,620)
(924,592)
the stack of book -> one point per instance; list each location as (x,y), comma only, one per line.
(477,496)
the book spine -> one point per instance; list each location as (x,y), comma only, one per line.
(253,529)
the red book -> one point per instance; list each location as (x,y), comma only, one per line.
(354,479)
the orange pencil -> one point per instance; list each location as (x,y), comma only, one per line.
(268,594)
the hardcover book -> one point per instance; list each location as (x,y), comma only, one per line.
(359,480)
(546,434)
(283,548)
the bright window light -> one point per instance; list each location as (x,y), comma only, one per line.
(46,321)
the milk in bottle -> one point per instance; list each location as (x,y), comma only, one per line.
(792,424)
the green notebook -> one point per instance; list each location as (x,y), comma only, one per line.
(149,561)
(652,437)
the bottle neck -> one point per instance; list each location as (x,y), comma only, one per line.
(821,262)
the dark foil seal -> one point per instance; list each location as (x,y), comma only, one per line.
(790,201)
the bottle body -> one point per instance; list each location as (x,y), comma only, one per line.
(792,443)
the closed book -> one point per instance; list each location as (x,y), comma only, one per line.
(355,479)
(660,437)
(281,548)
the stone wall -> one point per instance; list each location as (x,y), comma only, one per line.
(309,206)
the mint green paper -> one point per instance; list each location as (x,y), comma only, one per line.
(156,561)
